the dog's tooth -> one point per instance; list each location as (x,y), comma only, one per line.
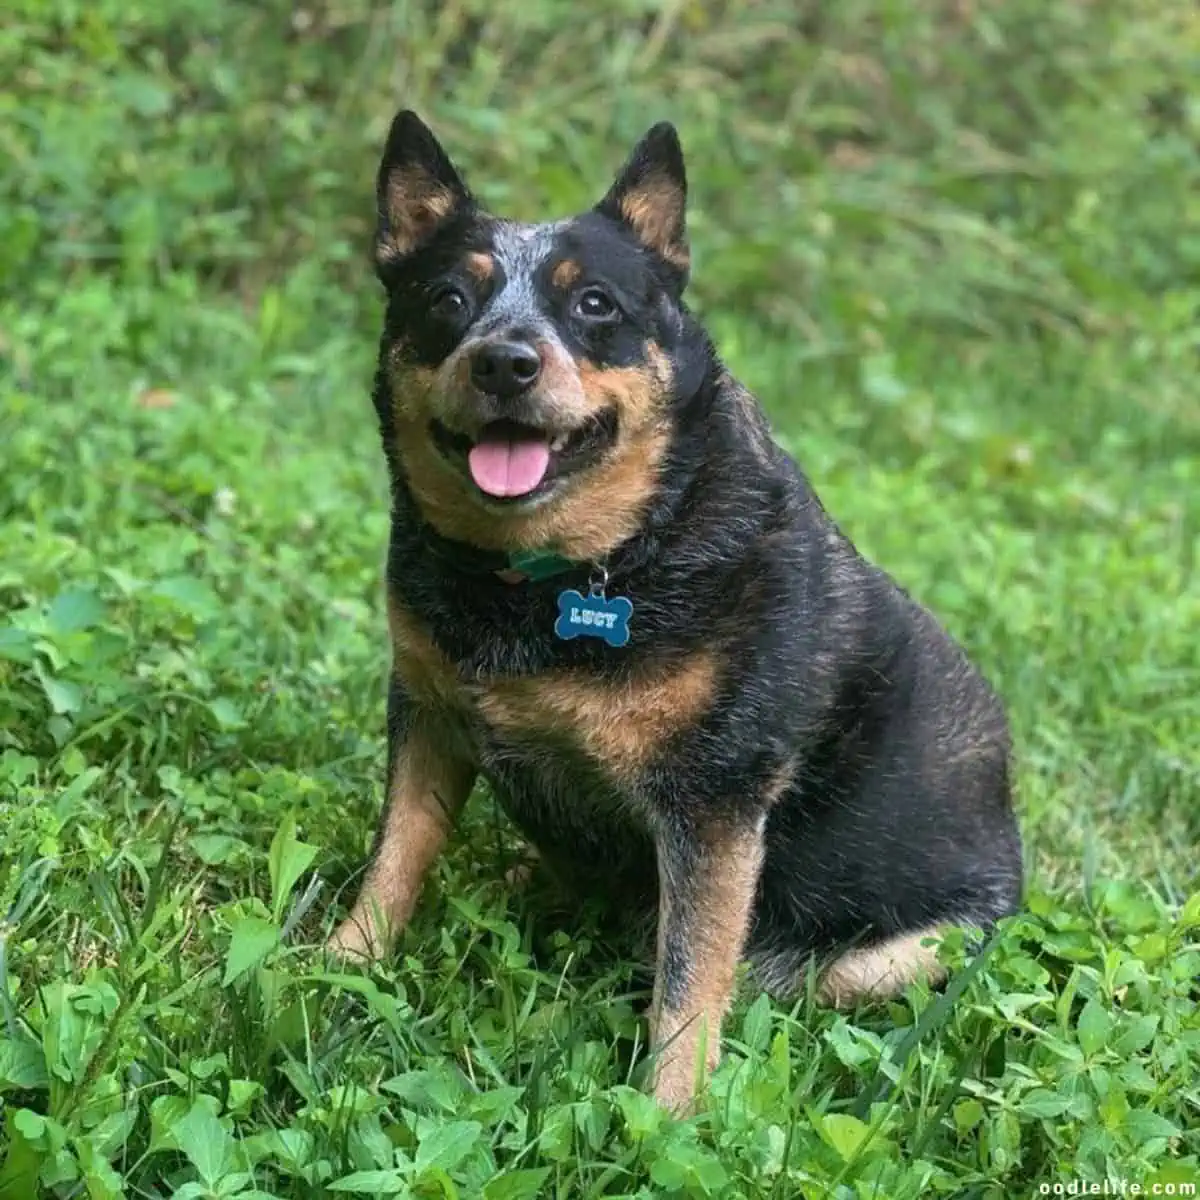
(559,442)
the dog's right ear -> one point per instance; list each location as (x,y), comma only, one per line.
(417,190)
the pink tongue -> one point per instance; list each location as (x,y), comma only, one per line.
(508,468)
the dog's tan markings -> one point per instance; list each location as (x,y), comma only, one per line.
(778,782)
(481,265)
(876,972)
(566,274)
(601,509)
(596,510)
(442,493)
(561,397)
(633,390)
(620,725)
(521,872)
(654,210)
(427,789)
(428,675)
(686,1033)
(416,205)
(607,504)
(411,384)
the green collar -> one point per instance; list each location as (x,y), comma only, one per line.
(537,565)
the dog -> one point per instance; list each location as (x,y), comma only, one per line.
(615,598)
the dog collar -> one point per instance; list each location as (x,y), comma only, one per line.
(519,566)
(590,615)
(534,565)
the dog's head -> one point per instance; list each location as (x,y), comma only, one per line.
(528,371)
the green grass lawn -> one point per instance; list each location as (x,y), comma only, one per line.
(193,652)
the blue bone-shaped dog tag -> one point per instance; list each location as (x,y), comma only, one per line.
(593,616)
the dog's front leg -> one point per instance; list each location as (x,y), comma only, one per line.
(707,874)
(427,787)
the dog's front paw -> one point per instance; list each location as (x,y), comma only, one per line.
(357,940)
(681,1076)
(674,1091)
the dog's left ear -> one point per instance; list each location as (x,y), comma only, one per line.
(650,196)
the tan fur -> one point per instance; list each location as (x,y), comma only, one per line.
(427,790)
(605,506)
(428,675)
(566,274)
(655,212)
(520,873)
(876,972)
(619,726)
(441,492)
(412,386)
(562,396)
(597,510)
(575,523)
(636,391)
(416,204)
(687,1037)
(778,783)
(480,265)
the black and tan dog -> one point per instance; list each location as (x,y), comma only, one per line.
(617,600)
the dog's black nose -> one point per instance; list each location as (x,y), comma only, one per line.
(505,369)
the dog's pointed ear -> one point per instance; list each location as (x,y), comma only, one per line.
(650,196)
(417,190)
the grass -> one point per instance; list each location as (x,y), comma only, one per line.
(990,375)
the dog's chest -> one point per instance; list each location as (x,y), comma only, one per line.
(617,720)
(568,748)
(564,776)
(568,808)
(564,757)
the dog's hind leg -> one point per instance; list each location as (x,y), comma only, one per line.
(881,970)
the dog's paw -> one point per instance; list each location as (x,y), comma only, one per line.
(681,1076)
(675,1090)
(517,877)
(356,941)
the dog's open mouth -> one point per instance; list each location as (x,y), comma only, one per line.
(512,461)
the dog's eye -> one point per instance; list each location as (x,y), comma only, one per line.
(594,305)
(449,303)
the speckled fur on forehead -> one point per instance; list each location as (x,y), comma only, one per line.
(520,252)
